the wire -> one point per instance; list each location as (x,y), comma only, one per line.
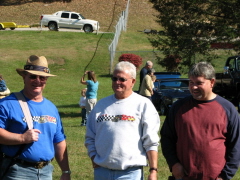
(114,8)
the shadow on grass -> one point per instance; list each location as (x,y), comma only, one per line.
(105,75)
(19,2)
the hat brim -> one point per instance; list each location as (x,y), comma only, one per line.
(39,73)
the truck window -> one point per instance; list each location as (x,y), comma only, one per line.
(231,64)
(74,16)
(65,15)
(238,64)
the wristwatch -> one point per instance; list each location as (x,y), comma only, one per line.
(66,172)
(153,169)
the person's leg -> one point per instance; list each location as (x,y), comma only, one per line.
(84,117)
(22,172)
(135,173)
(46,172)
(92,103)
(102,173)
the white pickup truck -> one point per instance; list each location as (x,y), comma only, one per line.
(68,19)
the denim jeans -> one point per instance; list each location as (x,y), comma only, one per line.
(22,172)
(132,173)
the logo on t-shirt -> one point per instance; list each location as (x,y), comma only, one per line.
(43,119)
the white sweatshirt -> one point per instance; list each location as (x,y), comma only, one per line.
(120,132)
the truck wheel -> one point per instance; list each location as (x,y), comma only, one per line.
(12,28)
(52,26)
(88,29)
(1,27)
(162,109)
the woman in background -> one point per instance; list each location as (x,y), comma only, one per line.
(92,88)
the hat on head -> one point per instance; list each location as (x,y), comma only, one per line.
(36,65)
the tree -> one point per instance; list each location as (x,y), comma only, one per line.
(191,26)
(132,58)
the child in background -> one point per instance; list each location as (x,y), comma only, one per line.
(4,91)
(82,104)
(153,79)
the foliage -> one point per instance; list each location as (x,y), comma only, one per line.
(132,58)
(191,26)
(171,62)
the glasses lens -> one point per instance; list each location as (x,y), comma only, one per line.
(119,79)
(114,78)
(42,78)
(33,77)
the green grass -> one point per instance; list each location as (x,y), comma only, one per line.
(69,54)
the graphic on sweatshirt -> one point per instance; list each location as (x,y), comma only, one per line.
(115,118)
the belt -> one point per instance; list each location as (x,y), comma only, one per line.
(37,165)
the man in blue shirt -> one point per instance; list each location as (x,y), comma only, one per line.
(42,143)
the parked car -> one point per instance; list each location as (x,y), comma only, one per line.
(68,19)
(168,91)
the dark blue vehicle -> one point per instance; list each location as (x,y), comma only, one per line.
(167,91)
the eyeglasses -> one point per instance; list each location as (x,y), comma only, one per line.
(42,78)
(121,79)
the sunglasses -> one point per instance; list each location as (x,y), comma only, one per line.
(119,79)
(42,78)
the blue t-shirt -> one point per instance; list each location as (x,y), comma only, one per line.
(45,117)
(91,89)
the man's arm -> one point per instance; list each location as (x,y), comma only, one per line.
(9,138)
(153,164)
(232,146)
(62,159)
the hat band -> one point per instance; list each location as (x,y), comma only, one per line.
(37,68)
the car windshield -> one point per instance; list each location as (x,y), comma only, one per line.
(82,16)
(173,84)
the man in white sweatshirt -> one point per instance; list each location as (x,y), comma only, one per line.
(122,131)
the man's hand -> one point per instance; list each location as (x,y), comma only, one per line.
(152,175)
(30,136)
(94,165)
(65,176)
(178,171)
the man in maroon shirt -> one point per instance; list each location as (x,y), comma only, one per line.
(200,137)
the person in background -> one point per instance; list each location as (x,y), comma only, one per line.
(122,132)
(82,104)
(143,72)
(40,144)
(200,137)
(154,78)
(92,88)
(4,91)
(146,89)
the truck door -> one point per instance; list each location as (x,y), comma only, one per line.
(76,21)
(64,20)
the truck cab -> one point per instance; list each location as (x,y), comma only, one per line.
(228,82)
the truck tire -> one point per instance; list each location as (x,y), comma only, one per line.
(88,29)
(12,28)
(52,26)
(1,27)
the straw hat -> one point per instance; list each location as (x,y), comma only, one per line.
(36,65)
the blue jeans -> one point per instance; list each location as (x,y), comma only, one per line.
(22,172)
(132,173)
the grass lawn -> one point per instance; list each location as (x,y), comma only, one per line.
(69,55)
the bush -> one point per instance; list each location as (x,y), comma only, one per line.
(132,58)
(171,62)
